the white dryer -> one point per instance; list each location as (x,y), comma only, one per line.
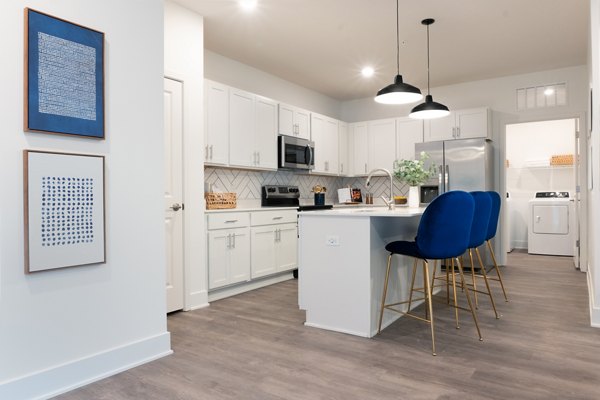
(551,228)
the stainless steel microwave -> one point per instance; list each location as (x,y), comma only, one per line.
(295,153)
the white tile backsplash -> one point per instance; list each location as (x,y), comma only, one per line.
(247,184)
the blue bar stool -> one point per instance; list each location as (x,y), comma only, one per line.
(443,233)
(479,230)
(491,233)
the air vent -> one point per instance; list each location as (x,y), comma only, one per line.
(542,96)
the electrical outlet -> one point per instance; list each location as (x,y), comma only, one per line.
(332,240)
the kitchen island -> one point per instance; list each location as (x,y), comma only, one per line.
(342,261)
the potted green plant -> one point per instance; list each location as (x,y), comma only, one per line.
(414,173)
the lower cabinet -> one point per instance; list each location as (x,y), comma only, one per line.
(245,246)
(274,249)
(228,257)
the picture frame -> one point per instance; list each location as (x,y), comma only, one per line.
(64,77)
(356,195)
(64,211)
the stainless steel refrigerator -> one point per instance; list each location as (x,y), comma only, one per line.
(461,164)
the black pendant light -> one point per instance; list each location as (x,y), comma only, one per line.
(398,92)
(430,109)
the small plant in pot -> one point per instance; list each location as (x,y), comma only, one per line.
(414,173)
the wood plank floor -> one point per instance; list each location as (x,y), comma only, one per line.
(254,346)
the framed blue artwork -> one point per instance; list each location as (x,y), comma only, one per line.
(64,77)
(63,210)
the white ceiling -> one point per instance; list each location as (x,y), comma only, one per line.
(323,44)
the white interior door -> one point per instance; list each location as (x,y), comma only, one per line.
(173,117)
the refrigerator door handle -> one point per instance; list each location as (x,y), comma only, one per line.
(440,182)
(447,178)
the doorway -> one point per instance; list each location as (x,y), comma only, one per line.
(540,157)
(173,193)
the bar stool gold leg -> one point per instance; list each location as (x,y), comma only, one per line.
(473,278)
(385,286)
(433,277)
(447,282)
(497,269)
(460,270)
(429,305)
(425,286)
(412,284)
(487,283)
(454,293)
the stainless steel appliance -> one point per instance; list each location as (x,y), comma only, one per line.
(462,164)
(295,153)
(287,196)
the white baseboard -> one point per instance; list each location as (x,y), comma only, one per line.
(76,373)
(594,308)
(219,294)
(196,300)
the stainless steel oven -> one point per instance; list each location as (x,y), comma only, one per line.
(295,153)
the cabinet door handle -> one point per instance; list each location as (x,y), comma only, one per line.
(206,152)
(365,168)
(233,236)
(277,217)
(229,240)
(342,168)
(211,151)
(258,156)
(458,131)
(229,221)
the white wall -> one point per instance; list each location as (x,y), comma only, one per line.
(242,76)
(184,49)
(594,142)
(535,143)
(499,94)
(63,328)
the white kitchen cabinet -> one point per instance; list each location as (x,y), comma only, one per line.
(382,144)
(409,131)
(460,124)
(266,133)
(324,133)
(343,155)
(294,121)
(274,249)
(216,123)
(252,131)
(359,148)
(228,257)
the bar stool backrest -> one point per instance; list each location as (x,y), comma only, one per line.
(494,215)
(481,218)
(445,226)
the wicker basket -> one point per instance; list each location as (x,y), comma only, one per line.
(562,159)
(218,201)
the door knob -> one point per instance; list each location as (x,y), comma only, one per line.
(175,207)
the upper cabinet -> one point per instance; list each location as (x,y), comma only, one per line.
(343,149)
(359,148)
(324,132)
(460,124)
(294,121)
(216,123)
(382,144)
(252,130)
(409,131)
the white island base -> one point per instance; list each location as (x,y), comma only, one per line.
(342,262)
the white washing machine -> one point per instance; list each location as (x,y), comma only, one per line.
(551,228)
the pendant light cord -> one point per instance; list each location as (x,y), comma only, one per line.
(397,37)
(428,60)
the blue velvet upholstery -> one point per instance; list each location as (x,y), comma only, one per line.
(444,229)
(481,218)
(495,214)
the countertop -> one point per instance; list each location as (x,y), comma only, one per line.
(377,211)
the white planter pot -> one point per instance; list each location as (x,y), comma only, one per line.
(413,197)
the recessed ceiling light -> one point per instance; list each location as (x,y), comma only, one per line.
(248,5)
(549,91)
(367,72)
